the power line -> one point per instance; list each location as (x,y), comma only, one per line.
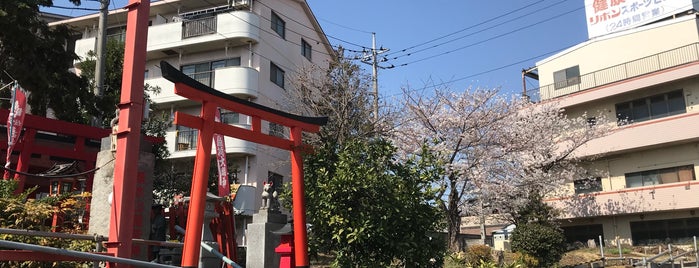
(469,27)
(313,29)
(310,28)
(346,27)
(287,68)
(74,8)
(274,33)
(490,39)
(470,34)
(479,73)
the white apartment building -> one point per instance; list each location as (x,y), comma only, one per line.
(245,48)
(640,68)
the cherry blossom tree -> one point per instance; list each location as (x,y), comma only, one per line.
(496,150)
(359,199)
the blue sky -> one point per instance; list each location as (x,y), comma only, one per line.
(505,36)
(457,44)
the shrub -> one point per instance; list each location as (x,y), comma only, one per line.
(455,259)
(524,260)
(544,242)
(20,212)
(477,254)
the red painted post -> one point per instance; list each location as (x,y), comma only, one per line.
(298,199)
(286,251)
(23,161)
(197,198)
(129,132)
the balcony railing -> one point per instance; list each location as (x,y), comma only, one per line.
(638,67)
(186,140)
(198,27)
(664,197)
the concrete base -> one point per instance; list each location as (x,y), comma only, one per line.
(261,241)
(102,187)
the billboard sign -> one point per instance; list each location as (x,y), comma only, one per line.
(609,16)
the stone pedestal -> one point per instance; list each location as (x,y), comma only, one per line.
(261,241)
(102,187)
(206,258)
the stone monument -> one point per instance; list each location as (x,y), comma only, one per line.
(103,183)
(261,241)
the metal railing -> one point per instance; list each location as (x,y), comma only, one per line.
(203,77)
(663,60)
(186,140)
(79,255)
(198,27)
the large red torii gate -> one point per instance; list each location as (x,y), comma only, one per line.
(128,138)
(211,100)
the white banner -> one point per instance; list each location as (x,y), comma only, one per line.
(609,16)
(15,120)
(221,165)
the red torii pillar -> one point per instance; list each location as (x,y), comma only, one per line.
(211,100)
(129,132)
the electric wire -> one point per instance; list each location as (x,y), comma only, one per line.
(422,89)
(473,26)
(286,68)
(291,30)
(345,27)
(258,54)
(273,33)
(473,33)
(504,34)
(74,8)
(489,39)
(313,29)
(477,74)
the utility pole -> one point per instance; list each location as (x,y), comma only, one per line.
(374,61)
(101,51)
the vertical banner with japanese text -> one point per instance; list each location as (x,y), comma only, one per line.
(15,119)
(221,165)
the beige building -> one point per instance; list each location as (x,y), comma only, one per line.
(245,48)
(643,188)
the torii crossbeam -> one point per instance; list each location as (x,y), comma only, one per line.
(211,100)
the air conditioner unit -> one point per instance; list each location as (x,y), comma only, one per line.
(238,3)
(244,201)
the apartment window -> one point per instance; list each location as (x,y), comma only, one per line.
(676,231)
(306,49)
(660,176)
(582,233)
(204,72)
(117,34)
(278,25)
(566,77)
(588,185)
(652,107)
(229,117)
(276,130)
(186,138)
(591,121)
(276,75)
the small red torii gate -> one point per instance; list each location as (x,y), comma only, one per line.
(27,145)
(211,100)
